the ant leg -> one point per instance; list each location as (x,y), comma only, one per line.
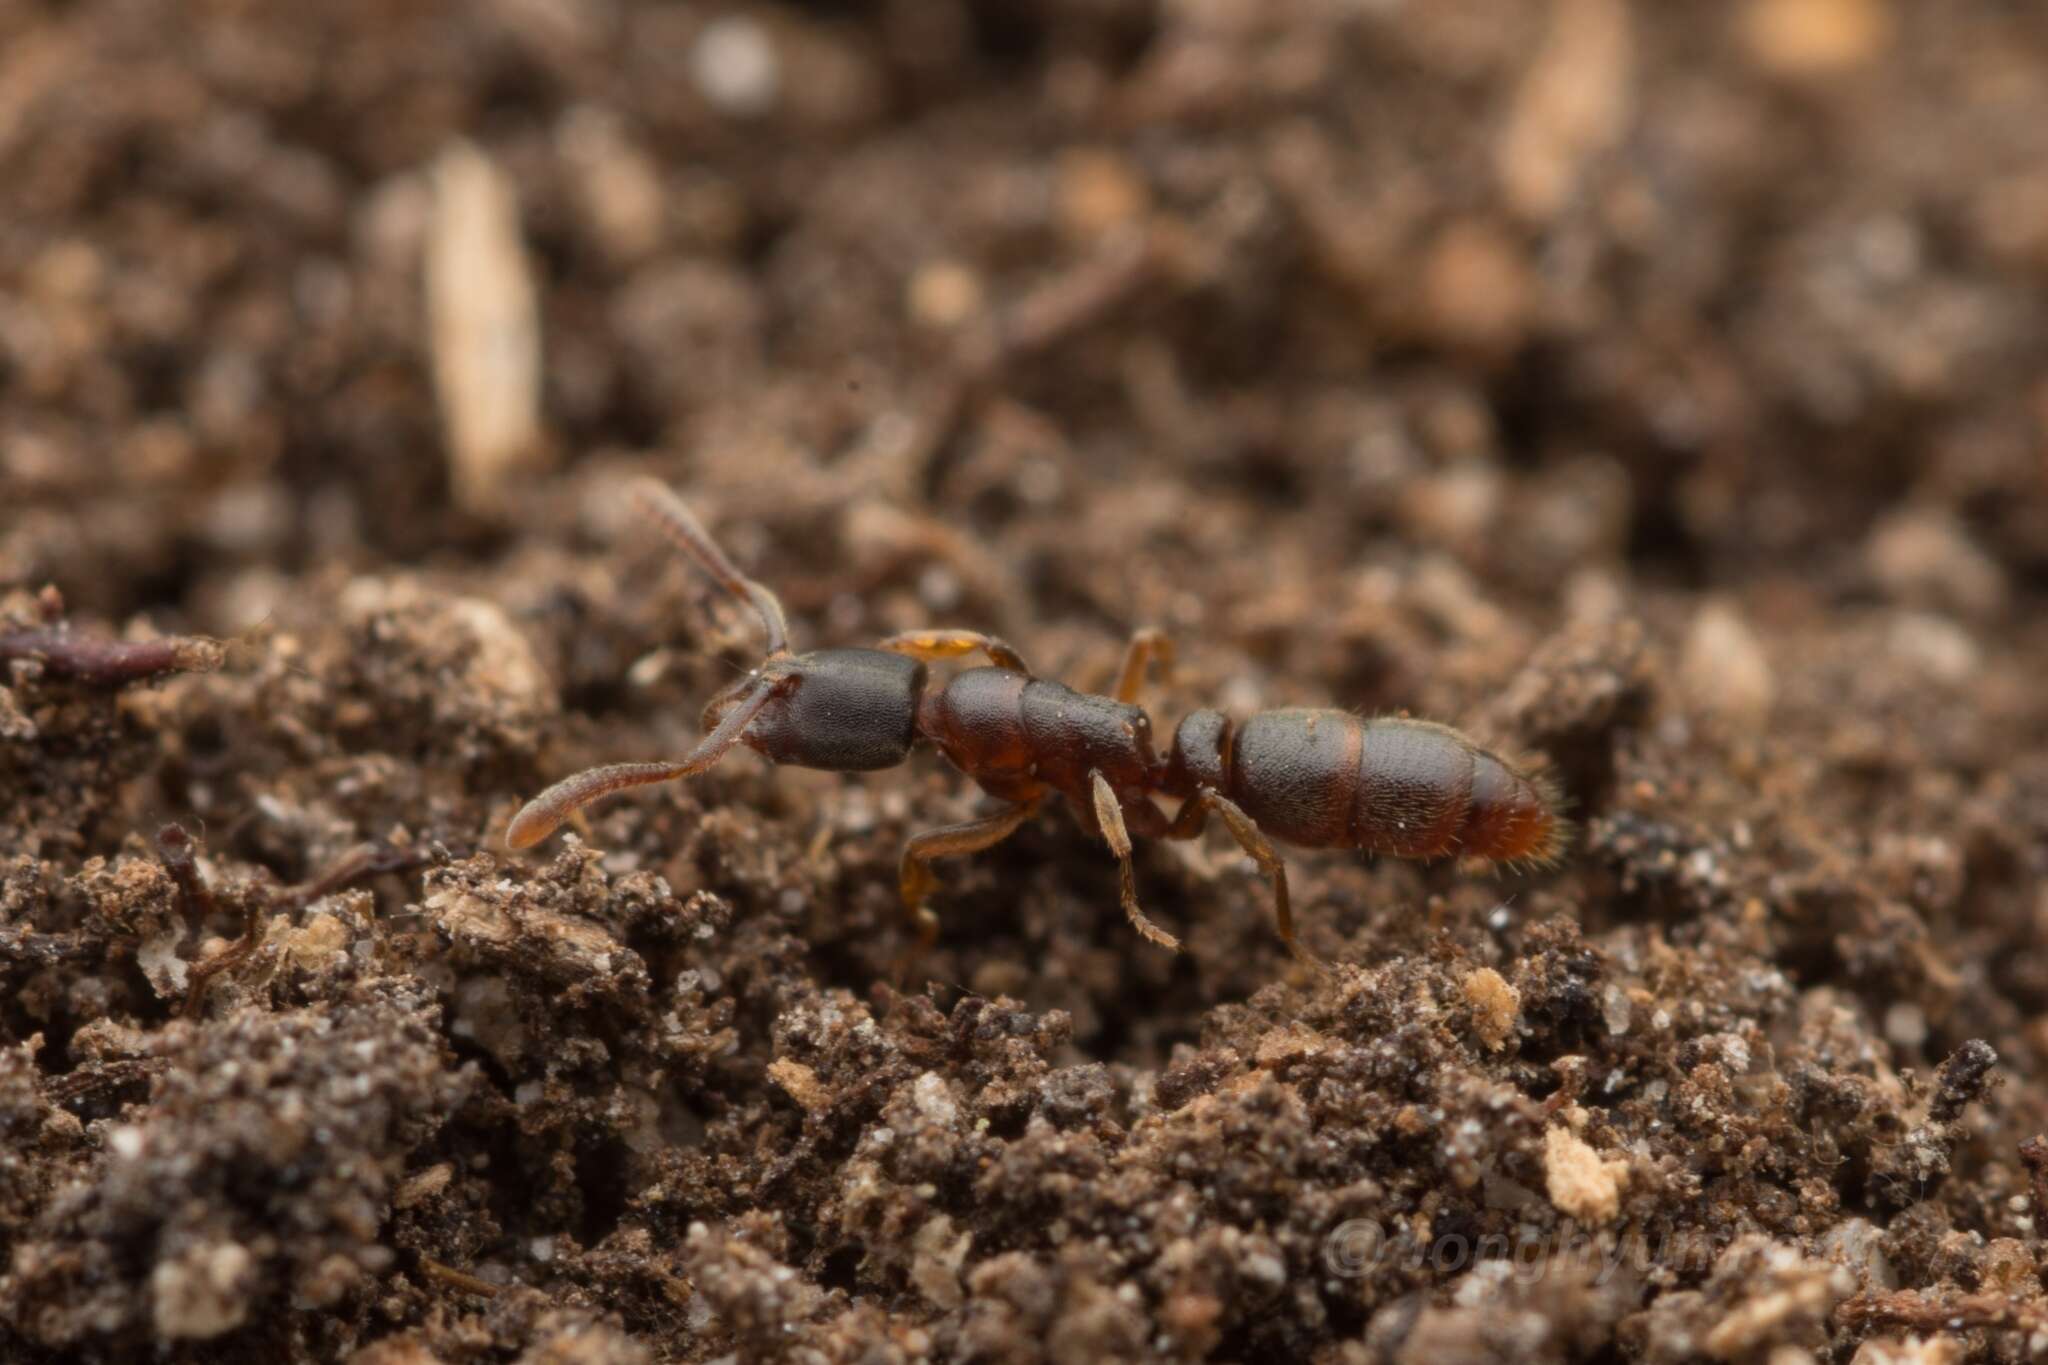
(541,816)
(681,526)
(1109,816)
(951,644)
(1188,823)
(1147,643)
(914,873)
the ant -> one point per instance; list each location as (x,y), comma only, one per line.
(1314,778)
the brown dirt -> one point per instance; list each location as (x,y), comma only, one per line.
(1658,390)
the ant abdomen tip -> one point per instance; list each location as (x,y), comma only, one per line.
(1513,818)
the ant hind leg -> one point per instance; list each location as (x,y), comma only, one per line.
(1109,815)
(1188,823)
(1147,643)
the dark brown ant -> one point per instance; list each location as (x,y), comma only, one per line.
(1314,778)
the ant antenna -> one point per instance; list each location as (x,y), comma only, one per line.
(681,526)
(541,816)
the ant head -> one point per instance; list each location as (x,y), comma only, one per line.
(847,710)
(843,710)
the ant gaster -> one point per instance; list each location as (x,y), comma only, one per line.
(1310,777)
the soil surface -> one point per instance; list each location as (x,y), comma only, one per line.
(1658,391)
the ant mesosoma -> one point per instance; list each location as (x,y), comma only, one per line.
(1310,777)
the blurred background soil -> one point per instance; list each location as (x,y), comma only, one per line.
(1658,390)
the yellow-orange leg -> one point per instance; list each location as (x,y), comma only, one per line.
(1188,823)
(915,879)
(952,644)
(1146,645)
(1109,817)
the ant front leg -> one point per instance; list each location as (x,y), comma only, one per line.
(1109,817)
(1188,823)
(914,874)
(951,644)
(1147,643)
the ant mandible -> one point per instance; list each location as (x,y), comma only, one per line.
(1314,778)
